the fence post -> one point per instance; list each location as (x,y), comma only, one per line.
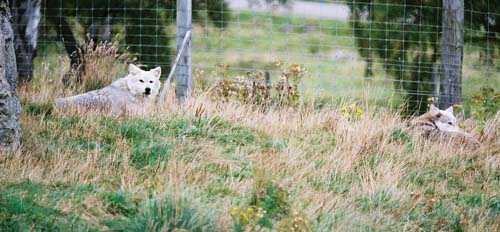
(183,86)
(450,90)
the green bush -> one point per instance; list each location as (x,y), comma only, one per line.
(486,104)
(172,213)
(35,109)
(119,203)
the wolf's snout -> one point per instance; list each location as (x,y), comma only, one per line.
(147,91)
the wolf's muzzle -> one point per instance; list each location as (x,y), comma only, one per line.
(147,91)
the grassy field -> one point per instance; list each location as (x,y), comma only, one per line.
(213,165)
(222,166)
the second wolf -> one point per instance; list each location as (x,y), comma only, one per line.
(441,125)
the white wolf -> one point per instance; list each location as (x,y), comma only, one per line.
(127,95)
(443,120)
(441,125)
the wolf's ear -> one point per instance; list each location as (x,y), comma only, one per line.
(450,109)
(134,70)
(156,71)
(434,110)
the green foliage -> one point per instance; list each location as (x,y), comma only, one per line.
(272,198)
(141,26)
(149,142)
(402,136)
(218,12)
(442,217)
(494,205)
(153,143)
(377,200)
(402,36)
(295,221)
(171,213)
(147,39)
(119,203)
(22,210)
(270,208)
(253,89)
(314,46)
(35,109)
(287,88)
(271,146)
(244,218)
(408,50)
(150,153)
(486,104)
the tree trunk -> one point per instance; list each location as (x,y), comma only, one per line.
(452,53)
(10,131)
(26,18)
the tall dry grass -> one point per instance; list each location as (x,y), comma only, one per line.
(344,173)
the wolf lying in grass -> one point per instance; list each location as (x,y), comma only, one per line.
(125,96)
(441,125)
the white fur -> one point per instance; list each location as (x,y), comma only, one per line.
(445,120)
(139,80)
(127,95)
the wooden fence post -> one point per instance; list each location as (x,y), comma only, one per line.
(450,90)
(183,86)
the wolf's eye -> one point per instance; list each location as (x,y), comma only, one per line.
(150,81)
(450,123)
(141,81)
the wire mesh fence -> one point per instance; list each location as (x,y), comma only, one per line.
(386,49)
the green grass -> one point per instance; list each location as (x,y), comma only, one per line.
(187,172)
(236,168)
(32,206)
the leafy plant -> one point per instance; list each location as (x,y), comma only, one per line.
(295,221)
(272,198)
(119,203)
(250,88)
(486,104)
(246,217)
(171,213)
(254,89)
(287,87)
(269,206)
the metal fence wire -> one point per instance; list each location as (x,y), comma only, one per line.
(388,49)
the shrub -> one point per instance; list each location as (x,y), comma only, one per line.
(272,198)
(119,203)
(486,104)
(295,221)
(254,89)
(172,214)
(100,64)
(268,204)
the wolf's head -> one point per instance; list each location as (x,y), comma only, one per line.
(444,119)
(143,83)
